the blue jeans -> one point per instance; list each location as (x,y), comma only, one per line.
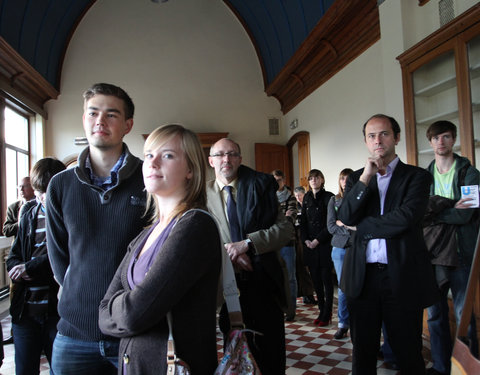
(288,255)
(76,357)
(438,319)
(343,318)
(31,336)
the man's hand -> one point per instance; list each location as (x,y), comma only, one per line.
(235,249)
(243,261)
(373,165)
(237,253)
(463,203)
(18,272)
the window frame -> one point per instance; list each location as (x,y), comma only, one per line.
(12,104)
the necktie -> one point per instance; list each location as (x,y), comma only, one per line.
(235,232)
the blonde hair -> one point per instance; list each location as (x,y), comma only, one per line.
(196,193)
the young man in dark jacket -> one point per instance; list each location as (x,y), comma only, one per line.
(34,302)
(451,171)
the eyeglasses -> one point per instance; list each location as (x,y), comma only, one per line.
(230,154)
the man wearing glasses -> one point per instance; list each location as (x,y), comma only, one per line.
(253,230)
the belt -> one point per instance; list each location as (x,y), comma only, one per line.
(380,266)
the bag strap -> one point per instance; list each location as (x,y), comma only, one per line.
(473,282)
(231,293)
(171,355)
(230,289)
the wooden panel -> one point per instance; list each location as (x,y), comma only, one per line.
(304,159)
(347,29)
(18,75)
(270,156)
(302,139)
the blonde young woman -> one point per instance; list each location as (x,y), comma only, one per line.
(173,266)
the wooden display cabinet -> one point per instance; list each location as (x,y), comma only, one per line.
(441,81)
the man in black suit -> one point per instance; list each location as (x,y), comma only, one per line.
(386,274)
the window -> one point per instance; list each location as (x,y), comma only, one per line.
(15,150)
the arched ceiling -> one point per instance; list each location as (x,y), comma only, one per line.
(38,31)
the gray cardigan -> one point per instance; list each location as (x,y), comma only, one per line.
(183,279)
(341,235)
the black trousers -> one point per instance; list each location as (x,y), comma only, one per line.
(320,264)
(375,304)
(261,313)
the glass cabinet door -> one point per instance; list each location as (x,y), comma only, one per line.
(473,48)
(435,98)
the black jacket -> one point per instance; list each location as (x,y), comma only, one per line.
(400,225)
(38,268)
(313,223)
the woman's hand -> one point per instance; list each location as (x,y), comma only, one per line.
(312,244)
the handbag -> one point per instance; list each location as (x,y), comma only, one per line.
(237,358)
(463,361)
(175,365)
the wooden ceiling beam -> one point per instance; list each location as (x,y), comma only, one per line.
(346,30)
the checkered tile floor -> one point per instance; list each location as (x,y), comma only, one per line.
(311,350)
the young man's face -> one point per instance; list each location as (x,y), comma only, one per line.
(380,139)
(442,144)
(41,197)
(104,121)
(280,182)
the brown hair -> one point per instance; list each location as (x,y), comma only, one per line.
(315,173)
(43,171)
(344,172)
(111,90)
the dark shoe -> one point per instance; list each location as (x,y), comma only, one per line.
(392,366)
(318,320)
(290,318)
(340,334)
(432,371)
(8,341)
(380,355)
(309,300)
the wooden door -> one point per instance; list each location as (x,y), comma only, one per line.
(270,156)
(302,142)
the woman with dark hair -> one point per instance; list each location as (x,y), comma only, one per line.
(317,250)
(171,267)
(340,242)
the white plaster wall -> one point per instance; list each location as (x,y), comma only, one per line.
(184,61)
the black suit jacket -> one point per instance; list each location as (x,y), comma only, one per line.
(409,266)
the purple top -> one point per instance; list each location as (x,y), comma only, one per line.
(138,267)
